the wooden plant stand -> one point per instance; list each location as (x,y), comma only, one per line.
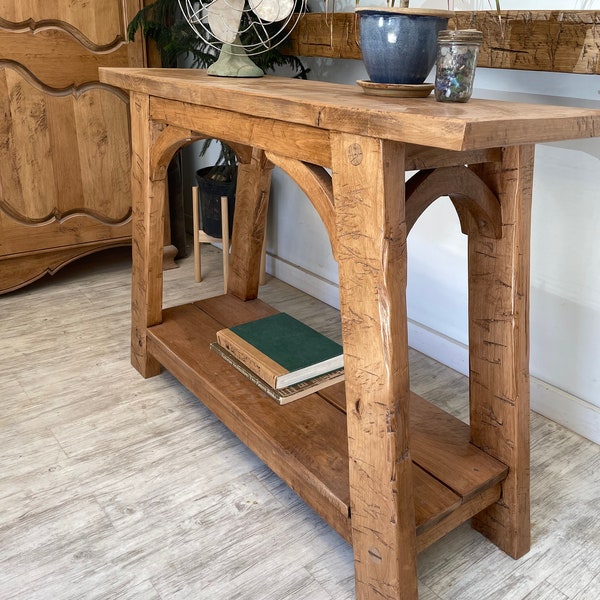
(385,468)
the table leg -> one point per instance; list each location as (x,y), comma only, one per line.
(148,202)
(368,185)
(499,347)
(251,204)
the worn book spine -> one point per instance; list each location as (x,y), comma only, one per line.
(285,395)
(264,367)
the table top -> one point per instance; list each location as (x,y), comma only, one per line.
(474,125)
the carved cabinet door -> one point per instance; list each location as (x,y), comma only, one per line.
(64,137)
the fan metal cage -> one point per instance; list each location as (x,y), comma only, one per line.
(251,26)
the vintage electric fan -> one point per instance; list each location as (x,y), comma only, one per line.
(242,28)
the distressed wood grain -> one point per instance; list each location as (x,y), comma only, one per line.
(536,40)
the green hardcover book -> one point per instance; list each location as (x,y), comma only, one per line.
(281,350)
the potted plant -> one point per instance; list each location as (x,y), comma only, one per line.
(162,23)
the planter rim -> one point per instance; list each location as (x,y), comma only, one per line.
(425,12)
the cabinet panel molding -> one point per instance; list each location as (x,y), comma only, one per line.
(65,160)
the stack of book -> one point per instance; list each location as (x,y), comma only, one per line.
(284,357)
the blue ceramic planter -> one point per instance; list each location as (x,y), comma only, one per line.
(399,45)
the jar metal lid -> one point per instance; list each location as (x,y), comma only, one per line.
(461,36)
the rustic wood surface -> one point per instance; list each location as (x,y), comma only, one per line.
(367,144)
(148,212)
(559,41)
(537,40)
(250,218)
(371,237)
(112,486)
(309,109)
(64,159)
(499,347)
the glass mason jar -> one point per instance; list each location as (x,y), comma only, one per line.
(455,64)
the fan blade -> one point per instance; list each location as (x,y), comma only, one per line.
(224,18)
(272,10)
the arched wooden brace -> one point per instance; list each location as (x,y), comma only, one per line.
(168,142)
(469,194)
(251,161)
(315,182)
(172,139)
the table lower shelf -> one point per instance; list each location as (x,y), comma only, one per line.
(305,442)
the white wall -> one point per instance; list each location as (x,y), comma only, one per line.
(565,266)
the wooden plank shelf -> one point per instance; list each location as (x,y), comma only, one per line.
(305,442)
(565,41)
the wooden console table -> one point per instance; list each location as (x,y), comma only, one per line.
(385,468)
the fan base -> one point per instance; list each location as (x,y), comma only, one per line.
(234,62)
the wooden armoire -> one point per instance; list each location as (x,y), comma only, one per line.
(64,137)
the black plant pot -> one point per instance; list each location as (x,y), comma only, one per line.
(211,188)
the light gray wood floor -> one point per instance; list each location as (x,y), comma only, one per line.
(112,486)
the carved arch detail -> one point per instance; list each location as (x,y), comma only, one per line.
(476,204)
(169,140)
(315,182)
(173,138)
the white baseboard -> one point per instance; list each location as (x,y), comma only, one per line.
(570,411)
(553,403)
(318,287)
(436,345)
(567,410)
